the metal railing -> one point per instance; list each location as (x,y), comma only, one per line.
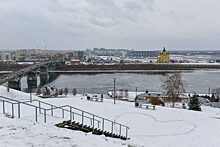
(84,117)
(213,104)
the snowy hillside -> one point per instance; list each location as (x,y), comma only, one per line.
(163,127)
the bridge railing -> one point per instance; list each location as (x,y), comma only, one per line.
(66,111)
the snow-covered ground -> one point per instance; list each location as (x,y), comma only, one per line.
(163,127)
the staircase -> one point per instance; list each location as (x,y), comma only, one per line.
(77,119)
(84,128)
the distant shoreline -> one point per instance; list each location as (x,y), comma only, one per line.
(116,71)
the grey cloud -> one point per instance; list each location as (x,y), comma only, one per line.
(139,24)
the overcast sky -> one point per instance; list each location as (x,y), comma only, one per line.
(132,24)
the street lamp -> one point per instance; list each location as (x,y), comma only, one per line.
(136,91)
(8,83)
(114,89)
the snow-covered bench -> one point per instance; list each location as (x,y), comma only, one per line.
(94,98)
(147,106)
(97,99)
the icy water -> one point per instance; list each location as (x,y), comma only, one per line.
(195,81)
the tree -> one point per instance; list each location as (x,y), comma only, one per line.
(66,90)
(174,87)
(126,93)
(61,91)
(194,103)
(74,91)
(38,91)
(212,98)
(120,93)
(216,93)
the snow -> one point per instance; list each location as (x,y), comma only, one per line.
(163,127)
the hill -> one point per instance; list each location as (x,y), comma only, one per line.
(165,127)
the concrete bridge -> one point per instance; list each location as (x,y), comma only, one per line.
(13,78)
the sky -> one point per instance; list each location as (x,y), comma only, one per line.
(131,24)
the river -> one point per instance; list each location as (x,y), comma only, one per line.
(198,81)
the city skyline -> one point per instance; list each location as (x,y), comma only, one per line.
(130,24)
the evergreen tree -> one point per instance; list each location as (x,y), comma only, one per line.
(74,91)
(194,103)
(66,91)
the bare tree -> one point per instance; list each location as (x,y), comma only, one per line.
(174,86)
(120,93)
(216,93)
(126,93)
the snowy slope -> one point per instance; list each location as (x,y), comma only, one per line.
(165,127)
(23,133)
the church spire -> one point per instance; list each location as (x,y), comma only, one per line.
(164,50)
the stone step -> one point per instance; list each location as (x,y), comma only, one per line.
(84,128)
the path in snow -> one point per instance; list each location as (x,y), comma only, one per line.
(188,127)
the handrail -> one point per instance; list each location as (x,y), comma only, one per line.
(81,110)
(71,113)
(18,101)
(25,102)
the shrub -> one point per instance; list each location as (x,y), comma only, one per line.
(194,103)
(156,101)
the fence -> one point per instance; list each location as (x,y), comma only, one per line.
(64,112)
(213,104)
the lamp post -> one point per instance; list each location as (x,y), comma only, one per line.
(8,84)
(136,91)
(114,89)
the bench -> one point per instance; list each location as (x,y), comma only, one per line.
(96,99)
(147,106)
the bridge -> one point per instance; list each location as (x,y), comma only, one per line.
(14,77)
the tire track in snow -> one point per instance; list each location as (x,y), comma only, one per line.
(194,126)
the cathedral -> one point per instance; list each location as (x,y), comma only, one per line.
(164,57)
